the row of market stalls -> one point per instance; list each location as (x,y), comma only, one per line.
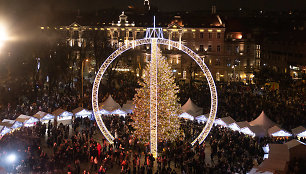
(277,156)
(108,107)
(260,127)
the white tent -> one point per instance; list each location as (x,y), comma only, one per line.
(299,131)
(257,131)
(276,131)
(202,118)
(234,126)
(255,170)
(27,120)
(4,130)
(190,107)
(119,112)
(104,112)
(297,149)
(109,104)
(62,114)
(242,124)
(81,112)
(186,115)
(13,124)
(225,121)
(263,121)
(128,107)
(281,154)
(44,117)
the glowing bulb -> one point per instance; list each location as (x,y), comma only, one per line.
(3,35)
(11,158)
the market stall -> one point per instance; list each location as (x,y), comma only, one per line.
(299,132)
(44,117)
(26,120)
(187,115)
(119,112)
(81,112)
(4,130)
(202,118)
(128,107)
(276,131)
(14,124)
(63,116)
(190,107)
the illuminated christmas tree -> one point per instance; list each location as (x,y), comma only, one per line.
(168,108)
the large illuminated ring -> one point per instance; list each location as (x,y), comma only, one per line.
(160,41)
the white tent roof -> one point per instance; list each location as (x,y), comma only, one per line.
(4,130)
(273,165)
(128,107)
(43,116)
(58,112)
(81,112)
(297,149)
(186,116)
(247,131)
(190,106)
(109,104)
(255,170)
(242,124)
(119,112)
(14,123)
(104,112)
(202,118)
(276,131)
(225,121)
(263,121)
(299,131)
(234,127)
(228,120)
(23,118)
(258,131)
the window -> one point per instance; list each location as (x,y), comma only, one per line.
(209,48)
(115,34)
(217,63)
(130,34)
(201,48)
(218,48)
(209,35)
(218,35)
(138,35)
(201,35)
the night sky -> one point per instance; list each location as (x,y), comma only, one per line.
(165,5)
(22,15)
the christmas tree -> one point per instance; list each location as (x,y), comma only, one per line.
(168,124)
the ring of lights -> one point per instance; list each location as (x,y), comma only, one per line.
(160,41)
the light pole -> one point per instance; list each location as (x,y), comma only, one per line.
(3,35)
(83,64)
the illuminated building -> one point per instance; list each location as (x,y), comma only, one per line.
(205,34)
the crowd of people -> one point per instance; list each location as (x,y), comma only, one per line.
(76,149)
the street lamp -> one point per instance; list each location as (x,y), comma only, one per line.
(83,64)
(3,35)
